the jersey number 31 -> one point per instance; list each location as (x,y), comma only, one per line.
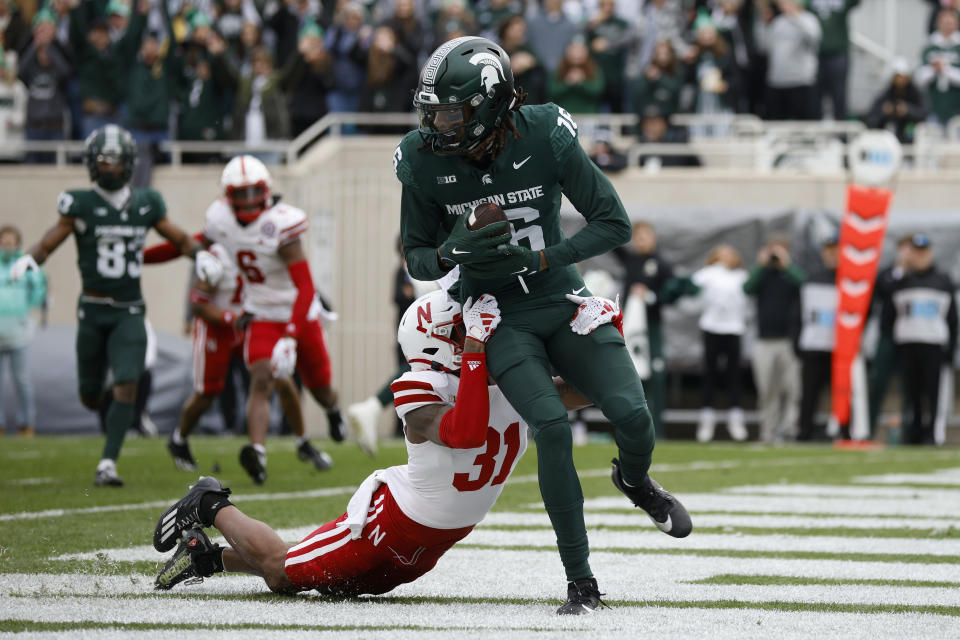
(487,461)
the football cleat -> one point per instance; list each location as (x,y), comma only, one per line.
(583,596)
(195,559)
(254,463)
(181,455)
(308,453)
(338,430)
(107,476)
(185,513)
(362,418)
(667,513)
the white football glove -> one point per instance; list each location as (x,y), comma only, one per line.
(208,268)
(593,312)
(21,265)
(319,312)
(480,318)
(284,357)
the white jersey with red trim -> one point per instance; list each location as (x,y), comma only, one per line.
(448,488)
(270,293)
(229,293)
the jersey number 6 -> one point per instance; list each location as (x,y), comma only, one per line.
(487,461)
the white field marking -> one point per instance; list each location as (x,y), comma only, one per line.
(718,624)
(941,476)
(726,503)
(30,481)
(639,519)
(947,496)
(620,539)
(157,504)
(23,455)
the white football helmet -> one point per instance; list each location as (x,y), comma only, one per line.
(246,184)
(431,333)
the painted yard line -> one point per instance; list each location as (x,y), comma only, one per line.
(30,481)
(719,624)
(159,504)
(734,578)
(636,518)
(941,476)
(714,503)
(950,496)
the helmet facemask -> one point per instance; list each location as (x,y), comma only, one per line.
(248,201)
(110,157)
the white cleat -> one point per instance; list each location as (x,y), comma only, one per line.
(362,419)
(736,425)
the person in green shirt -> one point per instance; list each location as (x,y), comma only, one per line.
(109,224)
(834,17)
(577,84)
(610,36)
(478,143)
(939,72)
(17,299)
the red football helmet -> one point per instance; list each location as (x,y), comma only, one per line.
(246,185)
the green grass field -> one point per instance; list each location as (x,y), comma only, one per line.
(787,542)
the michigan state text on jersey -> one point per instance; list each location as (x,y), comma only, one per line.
(477,143)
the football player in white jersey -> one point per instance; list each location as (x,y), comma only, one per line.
(262,237)
(218,331)
(463,440)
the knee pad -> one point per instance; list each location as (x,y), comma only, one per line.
(632,424)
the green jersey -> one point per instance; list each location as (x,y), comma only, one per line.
(110,240)
(527,179)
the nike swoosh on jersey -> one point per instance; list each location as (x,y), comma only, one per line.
(524,270)
(576,292)
(458,253)
(517,165)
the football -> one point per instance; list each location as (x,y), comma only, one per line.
(485,213)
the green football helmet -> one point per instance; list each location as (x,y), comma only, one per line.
(111,155)
(465,89)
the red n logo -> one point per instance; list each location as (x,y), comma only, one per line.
(424,315)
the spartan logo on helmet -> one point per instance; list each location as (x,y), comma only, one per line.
(491,71)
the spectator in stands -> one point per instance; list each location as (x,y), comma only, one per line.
(791,41)
(925,332)
(45,71)
(610,37)
(549,32)
(408,29)
(104,63)
(240,52)
(151,87)
(708,60)
(939,72)
(17,299)
(935,7)
(286,20)
(734,22)
(900,107)
(814,318)
(203,84)
(492,13)
(775,283)
(663,20)
(260,107)
(13,108)
(453,20)
(528,73)
(306,79)
(649,276)
(232,17)
(347,42)
(578,82)
(661,82)
(392,71)
(654,129)
(605,155)
(834,60)
(14,32)
(722,323)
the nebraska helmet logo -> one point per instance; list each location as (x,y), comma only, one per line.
(424,315)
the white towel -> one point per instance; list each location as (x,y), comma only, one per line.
(359,505)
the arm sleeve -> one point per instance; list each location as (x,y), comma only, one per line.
(795,274)
(300,274)
(419,232)
(465,425)
(595,198)
(165,251)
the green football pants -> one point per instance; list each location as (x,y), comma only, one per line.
(111,337)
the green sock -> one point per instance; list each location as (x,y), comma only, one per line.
(385,396)
(119,418)
(633,467)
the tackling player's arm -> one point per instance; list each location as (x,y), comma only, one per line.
(208,268)
(464,426)
(201,306)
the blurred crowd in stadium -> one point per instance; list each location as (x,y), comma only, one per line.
(260,70)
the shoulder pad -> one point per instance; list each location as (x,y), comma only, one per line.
(563,131)
(67,203)
(405,159)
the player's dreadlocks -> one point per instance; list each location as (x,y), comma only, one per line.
(485,153)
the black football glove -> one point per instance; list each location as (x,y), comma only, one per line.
(464,247)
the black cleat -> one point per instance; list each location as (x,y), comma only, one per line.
(583,596)
(338,428)
(195,559)
(181,455)
(320,459)
(254,463)
(666,511)
(185,513)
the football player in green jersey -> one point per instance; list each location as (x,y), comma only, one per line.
(478,143)
(109,223)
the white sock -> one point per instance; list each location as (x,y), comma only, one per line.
(176,437)
(259,448)
(106,463)
(301,440)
